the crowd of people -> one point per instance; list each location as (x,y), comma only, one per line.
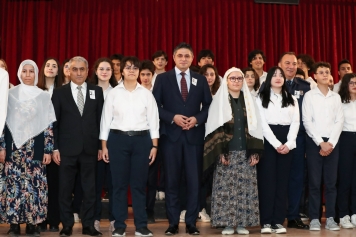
(261,144)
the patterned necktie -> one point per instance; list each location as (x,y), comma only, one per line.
(183,87)
(289,83)
(80,100)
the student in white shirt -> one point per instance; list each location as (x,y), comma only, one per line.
(305,62)
(256,60)
(252,79)
(323,121)
(103,76)
(280,125)
(344,66)
(146,74)
(116,61)
(347,157)
(50,75)
(160,60)
(129,131)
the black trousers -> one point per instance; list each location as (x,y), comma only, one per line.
(78,194)
(129,164)
(347,174)
(152,184)
(177,155)
(273,176)
(53,216)
(321,167)
(69,167)
(103,176)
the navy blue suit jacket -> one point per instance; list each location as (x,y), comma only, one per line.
(170,102)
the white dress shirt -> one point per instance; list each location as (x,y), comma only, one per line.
(74,88)
(276,115)
(129,111)
(4,90)
(337,87)
(349,110)
(254,93)
(179,77)
(313,84)
(263,77)
(323,116)
(106,92)
(154,79)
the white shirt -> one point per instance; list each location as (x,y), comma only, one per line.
(179,77)
(106,92)
(4,90)
(337,87)
(263,77)
(276,115)
(129,111)
(154,79)
(74,88)
(349,110)
(254,93)
(312,83)
(322,116)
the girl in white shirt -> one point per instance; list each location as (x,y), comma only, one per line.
(50,76)
(280,124)
(347,153)
(252,79)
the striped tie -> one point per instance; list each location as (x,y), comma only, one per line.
(183,87)
(80,100)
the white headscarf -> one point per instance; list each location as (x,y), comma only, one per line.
(220,111)
(4,90)
(30,110)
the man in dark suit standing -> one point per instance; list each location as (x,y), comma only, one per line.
(183,98)
(78,107)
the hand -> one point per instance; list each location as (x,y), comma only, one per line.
(223,160)
(56,157)
(152,156)
(105,154)
(100,155)
(283,149)
(254,159)
(46,159)
(190,123)
(2,156)
(180,120)
(326,147)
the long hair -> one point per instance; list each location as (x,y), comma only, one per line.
(95,79)
(257,77)
(344,88)
(216,84)
(2,60)
(265,94)
(58,80)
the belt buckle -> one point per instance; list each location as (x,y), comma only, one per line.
(130,133)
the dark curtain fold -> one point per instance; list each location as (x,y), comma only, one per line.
(231,28)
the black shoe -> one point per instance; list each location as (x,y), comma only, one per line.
(297,223)
(192,230)
(66,231)
(53,228)
(90,230)
(143,232)
(37,231)
(14,230)
(172,230)
(150,218)
(30,229)
(118,232)
(42,227)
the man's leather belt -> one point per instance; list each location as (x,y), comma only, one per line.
(130,133)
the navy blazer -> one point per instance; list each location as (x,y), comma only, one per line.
(170,102)
(75,133)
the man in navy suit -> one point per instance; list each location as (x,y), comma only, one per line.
(183,98)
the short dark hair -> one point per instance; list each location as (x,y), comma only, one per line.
(95,79)
(159,53)
(183,45)
(58,80)
(147,64)
(205,53)
(284,54)
(320,64)
(216,85)
(257,77)
(253,54)
(194,68)
(343,62)
(132,59)
(116,57)
(300,72)
(307,59)
(344,87)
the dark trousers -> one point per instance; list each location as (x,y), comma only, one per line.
(347,174)
(103,175)
(129,164)
(177,155)
(69,167)
(152,184)
(53,216)
(78,194)
(272,176)
(296,177)
(321,167)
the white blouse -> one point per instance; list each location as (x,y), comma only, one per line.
(276,115)
(349,116)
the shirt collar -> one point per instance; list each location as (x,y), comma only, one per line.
(187,72)
(74,86)
(330,93)
(138,85)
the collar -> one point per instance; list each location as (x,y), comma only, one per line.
(329,94)
(74,86)
(177,71)
(138,85)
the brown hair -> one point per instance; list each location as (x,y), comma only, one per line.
(58,80)
(257,78)
(94,78)
(344,87)
(216,85)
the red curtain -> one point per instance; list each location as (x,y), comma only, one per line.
(231,28)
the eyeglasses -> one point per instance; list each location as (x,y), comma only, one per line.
(236,79)
(322,73)
(352,83)
(131,68)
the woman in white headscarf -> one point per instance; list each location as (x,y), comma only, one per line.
(232,148)
(27,143)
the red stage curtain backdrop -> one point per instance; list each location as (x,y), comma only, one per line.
(231,28)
